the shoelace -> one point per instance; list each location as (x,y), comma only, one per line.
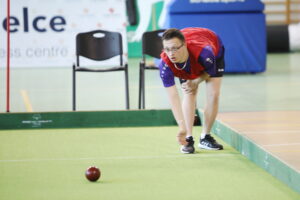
(210,138)
(190,141)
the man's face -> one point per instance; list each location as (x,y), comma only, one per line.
(174,48)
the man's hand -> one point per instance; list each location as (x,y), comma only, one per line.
(181,137)
(191,86)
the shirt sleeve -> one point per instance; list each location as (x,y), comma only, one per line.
(166,74)
(208,60)
(221,48)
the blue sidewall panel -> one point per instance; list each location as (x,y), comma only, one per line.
(192,6)
(243,35)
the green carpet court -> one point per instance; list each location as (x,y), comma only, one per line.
(141,162)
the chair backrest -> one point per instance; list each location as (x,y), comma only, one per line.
(99,45)
(152,43)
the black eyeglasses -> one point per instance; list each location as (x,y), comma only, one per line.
(173,49)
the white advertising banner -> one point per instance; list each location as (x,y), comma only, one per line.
(43,32)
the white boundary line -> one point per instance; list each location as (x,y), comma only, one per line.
(199,155)
(269,132)
(284,144)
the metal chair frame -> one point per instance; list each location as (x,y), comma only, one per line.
(151,46)
(99,45)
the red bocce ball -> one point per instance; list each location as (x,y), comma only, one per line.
(93,173)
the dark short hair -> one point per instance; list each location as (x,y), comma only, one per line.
(173,33)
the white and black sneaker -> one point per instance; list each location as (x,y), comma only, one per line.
(189,148)
(208,142)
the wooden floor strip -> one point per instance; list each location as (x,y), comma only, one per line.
(276,131)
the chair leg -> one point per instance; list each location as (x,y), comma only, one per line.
(143,88)
(140,86)
(74,89)
(127,87)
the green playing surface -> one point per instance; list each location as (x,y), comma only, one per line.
(137,163)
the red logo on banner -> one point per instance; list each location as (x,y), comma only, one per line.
(111,10)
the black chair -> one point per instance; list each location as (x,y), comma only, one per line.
(151,46)
(99,45)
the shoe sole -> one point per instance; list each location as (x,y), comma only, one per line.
(208,148)
(186,152)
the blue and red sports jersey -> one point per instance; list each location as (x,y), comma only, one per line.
(206,59)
